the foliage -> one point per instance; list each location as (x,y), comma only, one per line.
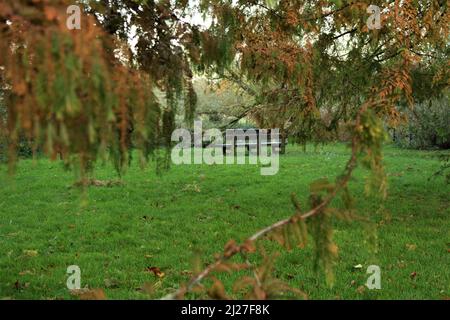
(221,103)
(444,170)
(427,126)
(76,93)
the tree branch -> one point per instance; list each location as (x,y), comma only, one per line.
(341,183)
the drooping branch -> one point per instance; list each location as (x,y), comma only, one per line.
(232,250)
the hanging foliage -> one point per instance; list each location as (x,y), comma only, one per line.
(76,92)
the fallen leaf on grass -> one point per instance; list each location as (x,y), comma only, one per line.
(187,273)
(396,174)
(98,183)
(156,271)
(361,289)
(25,272)
(89,294)
(111,283)
(13,234)
(411,247)
(148,288)
(30,253)
(18,285)
(192,187)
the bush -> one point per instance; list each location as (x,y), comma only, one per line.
(24,146)
(428,126)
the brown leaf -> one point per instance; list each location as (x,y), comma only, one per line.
(230,248)
(89,294)
(249,246)
(187,273)
(259,293)
(217,291)
(148,288)
(30,253)
(156,271)
(361,289)
(111,283)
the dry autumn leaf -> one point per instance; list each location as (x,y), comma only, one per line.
(30,253)
(156,271)
(361,289)
(23,273)
(89,294)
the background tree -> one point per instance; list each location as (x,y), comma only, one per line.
(222,103)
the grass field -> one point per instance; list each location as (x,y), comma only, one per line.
(159,221)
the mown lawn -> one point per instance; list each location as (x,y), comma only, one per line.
(115,233)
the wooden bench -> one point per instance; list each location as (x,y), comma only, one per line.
(249,147)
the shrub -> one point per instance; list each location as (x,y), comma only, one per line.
(427,127)
(24,147)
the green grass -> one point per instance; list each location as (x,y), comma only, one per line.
(161,220)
